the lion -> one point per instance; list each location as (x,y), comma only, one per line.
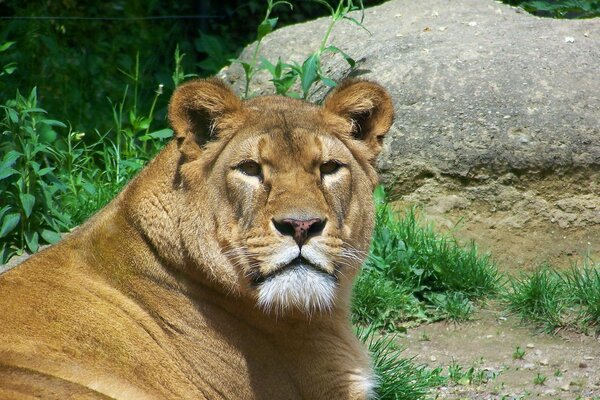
(222,271)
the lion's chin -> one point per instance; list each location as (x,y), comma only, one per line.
(299,287)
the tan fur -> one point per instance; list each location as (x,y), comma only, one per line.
(159,295)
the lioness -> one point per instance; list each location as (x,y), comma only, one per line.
(222,271)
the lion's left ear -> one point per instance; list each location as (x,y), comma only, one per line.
(368,107)
(195,110)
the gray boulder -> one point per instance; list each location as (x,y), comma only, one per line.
(494,106)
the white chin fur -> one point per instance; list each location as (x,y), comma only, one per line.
(298,287)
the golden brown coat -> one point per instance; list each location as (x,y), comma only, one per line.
(223,270)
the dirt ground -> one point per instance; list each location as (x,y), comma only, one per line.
(522,224)
(569,362)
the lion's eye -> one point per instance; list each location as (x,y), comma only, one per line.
(250,168)
(330,167)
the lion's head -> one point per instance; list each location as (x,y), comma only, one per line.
(277,191)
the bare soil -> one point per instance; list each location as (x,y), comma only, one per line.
(569,362)
(522,224)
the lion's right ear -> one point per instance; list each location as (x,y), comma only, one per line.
(195,110)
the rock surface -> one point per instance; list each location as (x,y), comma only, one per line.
(497,111)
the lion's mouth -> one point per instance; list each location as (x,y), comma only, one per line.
(297,263)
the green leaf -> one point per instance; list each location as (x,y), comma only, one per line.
(5,46)
(27,201)
(50,236)
(6,172)
(10,68)
(89,187)
(329,82)
(162,134)
(310,72)
(268,66)
(9,222)
(32,240)
(358,23)
(12,115)
(265,28)
(53,122)
(145,123)
(247,68)
(45,171)
(10,158)
(348,59)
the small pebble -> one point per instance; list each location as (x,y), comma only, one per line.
(529,366)
(530,345)
(569,39)
(583,365)
(589,358)
(544,362)
(565,388)
(433,358)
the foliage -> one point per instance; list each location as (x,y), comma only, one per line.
(398,378)
(29,212)
(559,8)
(285,75)
(553,299)
(584,288)
(414,273)
(539,296)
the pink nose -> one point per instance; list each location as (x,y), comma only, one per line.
(300,230)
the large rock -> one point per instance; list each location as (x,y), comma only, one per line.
(497,111)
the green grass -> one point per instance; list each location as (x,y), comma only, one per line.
(559,8)
(553,299)
(399,378)
(538,297)
(415,274)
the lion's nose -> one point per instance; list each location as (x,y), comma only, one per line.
(300,229)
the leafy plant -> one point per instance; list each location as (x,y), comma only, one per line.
(285,75)
(398,378)
(264,28)
(414,273)
(9,68)
(518,354)
(560,9)
(29,213)
(539,379)
(539,297)
(584,288)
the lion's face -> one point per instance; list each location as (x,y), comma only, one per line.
(290,186)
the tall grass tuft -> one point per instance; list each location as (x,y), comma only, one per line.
(415,273)
(584,289)
(539,297)
(398,377)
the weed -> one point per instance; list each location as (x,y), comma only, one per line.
(518,354)
(29,213)
(283,74)
(412,262)
(539,379)
(453,306)
(560,9)
(398,377)
(264,28)
(584,287)
(469,376)
(540,297)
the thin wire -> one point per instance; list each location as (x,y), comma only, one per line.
(113,18)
